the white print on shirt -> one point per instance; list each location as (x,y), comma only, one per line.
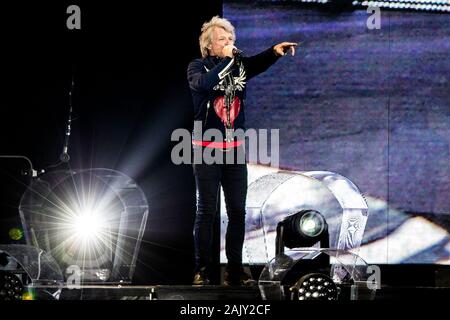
(239,81)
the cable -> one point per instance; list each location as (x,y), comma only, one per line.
(20,157)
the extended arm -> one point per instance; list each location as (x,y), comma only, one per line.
(262,61)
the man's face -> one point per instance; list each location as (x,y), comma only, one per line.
(220,38)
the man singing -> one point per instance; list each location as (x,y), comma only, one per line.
(218,86)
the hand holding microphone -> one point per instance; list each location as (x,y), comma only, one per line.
(231,51)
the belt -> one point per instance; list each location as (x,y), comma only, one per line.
(217,145)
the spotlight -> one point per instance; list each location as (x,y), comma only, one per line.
(313,222)
(28,273)
(300,230)
(10,286)
(316,274)
(91,221)
(87,226)
(314,286)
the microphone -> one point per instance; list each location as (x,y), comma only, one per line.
(237,53)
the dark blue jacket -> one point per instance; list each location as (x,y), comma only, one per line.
(208,78)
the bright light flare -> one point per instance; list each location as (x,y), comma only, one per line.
(312,224)
(309,226)
(88,225)
(91,219)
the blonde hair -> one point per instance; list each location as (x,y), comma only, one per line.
(207,29)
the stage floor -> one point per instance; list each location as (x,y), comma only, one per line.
(215,292)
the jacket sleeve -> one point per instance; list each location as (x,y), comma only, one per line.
(259,63)
(201,79)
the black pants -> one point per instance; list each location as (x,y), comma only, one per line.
(208,178)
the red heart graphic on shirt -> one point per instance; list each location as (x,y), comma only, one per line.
(221,109)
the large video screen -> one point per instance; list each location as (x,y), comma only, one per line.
(369,103)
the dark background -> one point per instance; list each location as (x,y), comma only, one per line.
(129,65)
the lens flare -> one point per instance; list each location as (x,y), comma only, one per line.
(88,225)
(15,234)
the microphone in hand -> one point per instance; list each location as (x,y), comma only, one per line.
(237,53)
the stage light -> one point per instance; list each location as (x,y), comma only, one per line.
(10,287)
(314,286)
(302,229)
(33,272)
(333,202)
(89,220)
(320,217)
(87,226)
(312,224)
(82,224)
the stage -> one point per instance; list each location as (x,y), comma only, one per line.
(219,293)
